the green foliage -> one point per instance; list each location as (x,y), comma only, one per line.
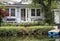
(18,31)
(2,12)
(27,38)
(8,24)
(47,7)
(32,5)
(35,23)
(27,24)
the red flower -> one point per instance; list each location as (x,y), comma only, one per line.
(6,14)
(1,12)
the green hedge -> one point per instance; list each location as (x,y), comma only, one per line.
(35,23)
(18,31)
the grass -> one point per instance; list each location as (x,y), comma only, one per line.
(27,27)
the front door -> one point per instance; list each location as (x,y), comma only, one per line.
(23,15)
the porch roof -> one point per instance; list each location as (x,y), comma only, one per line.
(19,6)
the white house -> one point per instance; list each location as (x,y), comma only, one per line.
(20,12)
(57,15)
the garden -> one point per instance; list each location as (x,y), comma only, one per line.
(22,33)
(35,31)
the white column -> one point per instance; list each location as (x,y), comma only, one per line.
(17,11)
(29,15)
(35,13)
(9,12)
(20,13)
(56,17)
(26,14)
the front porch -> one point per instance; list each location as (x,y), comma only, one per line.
(24,14)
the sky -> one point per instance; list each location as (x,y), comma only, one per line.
(16,0)
(11,0)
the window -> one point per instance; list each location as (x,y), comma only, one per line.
(38,12)
(35,12)
(32,12)
(23,14)
(12,12)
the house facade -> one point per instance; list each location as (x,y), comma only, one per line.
(57,15)
(20,12)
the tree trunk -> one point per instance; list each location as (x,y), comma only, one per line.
(0,20)
(48,13)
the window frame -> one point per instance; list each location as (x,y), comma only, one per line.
(11,12)
(32,12)
(36,12)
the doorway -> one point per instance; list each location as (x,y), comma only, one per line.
(23,15)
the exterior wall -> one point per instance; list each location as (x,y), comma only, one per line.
(57,16)
(11,17)
(18,15)
(28,16)
(34,18)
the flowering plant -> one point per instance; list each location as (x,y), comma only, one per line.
(3,14)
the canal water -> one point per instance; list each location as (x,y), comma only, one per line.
(29,38)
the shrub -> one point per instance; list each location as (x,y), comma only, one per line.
(3,14)
(18,31)
(26,24)
(35,23)
(8,24)
(46,24)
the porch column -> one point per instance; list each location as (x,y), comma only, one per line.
(26,14)
(9,12)
(56,16)
(29,15)
(18,18)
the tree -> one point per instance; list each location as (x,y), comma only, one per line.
(47,6)
(3,13)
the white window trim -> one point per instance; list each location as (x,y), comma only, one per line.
(10,12)
(36,12)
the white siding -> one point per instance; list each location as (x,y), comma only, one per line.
(18,17)
(57,16)
(29,15)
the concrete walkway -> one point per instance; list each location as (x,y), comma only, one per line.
(57,39)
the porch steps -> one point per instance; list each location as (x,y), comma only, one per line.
(54,33)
